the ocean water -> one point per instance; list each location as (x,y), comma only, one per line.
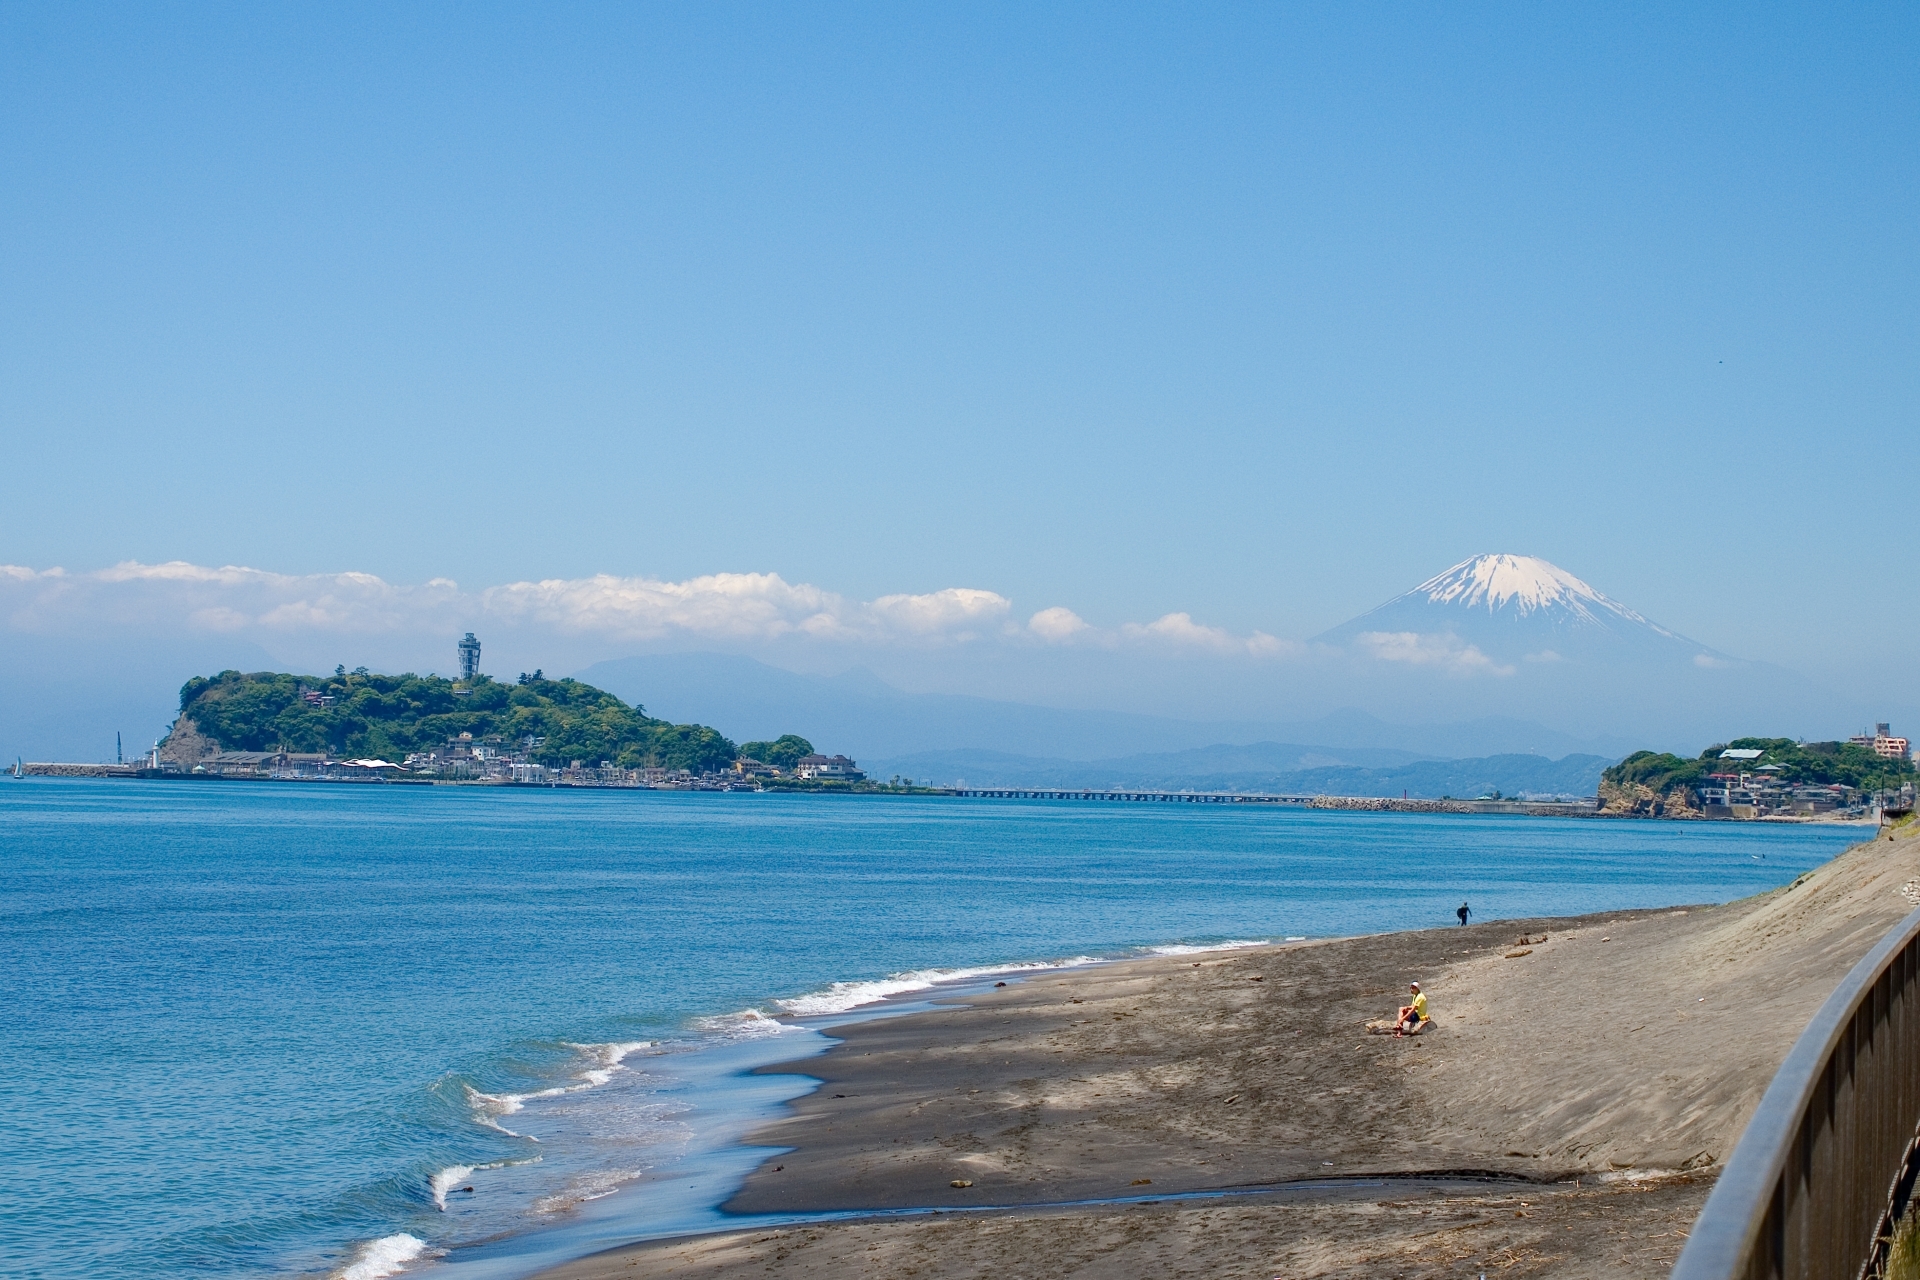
(279,1030)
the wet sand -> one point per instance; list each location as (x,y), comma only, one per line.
(1593,1076)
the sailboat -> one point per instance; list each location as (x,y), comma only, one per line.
(18,765)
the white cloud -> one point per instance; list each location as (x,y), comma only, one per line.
(1179,629)
(726,607)
(741,607)
(956,609)
(1708,661)
(228,599)
(748,609)
(1445,652)
(1057,624)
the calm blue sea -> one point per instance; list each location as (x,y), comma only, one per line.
(276,1030)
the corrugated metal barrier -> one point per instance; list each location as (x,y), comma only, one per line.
(1830,1155)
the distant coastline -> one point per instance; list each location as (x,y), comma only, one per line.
(1579,808)
(362,728)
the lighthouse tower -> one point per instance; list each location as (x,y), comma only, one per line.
(469,657)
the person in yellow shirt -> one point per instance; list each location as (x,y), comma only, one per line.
(1413,1014)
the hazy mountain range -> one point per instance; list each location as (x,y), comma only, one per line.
(1274,767)
(861,715)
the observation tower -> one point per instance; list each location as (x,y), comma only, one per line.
(469,657)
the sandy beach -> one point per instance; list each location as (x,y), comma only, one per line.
(1564,1115)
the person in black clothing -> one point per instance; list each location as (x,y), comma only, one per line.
(1463,913)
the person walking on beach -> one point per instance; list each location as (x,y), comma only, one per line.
(1463,913)
(1413,1014)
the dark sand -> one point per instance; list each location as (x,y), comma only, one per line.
(1603,1076)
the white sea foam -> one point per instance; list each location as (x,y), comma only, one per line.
(487,1109)
(386,1256)
(1185,949)
(587,1187)
(842,996)
(445,1180)
(746,1024)
(442,1182)
(606,1059)
(601,1061)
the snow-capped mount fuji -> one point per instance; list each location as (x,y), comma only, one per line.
(1524,584)
(1518,636)
(1493,612)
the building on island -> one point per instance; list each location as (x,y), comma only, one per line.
(1742,788)
(1760,793)
(469,657)
(826,768)
(1883,742)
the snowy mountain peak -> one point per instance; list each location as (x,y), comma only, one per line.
(1520,623)
(1526,584)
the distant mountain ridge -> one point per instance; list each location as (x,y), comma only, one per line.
(858,713)
(1272,767)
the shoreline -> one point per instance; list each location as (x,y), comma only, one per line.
(907,886)
(685,1197)
(1585,808)
(1061,1099)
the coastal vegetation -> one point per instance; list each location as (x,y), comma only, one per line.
(361,714)
(782,753)
(1847,764)
(1768,775)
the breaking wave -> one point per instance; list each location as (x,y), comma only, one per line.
(600,1061)
(1194,949)
(443,1181)
(747,1024)
(842,996)
(386,1256)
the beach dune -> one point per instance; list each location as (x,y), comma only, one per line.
(1565,1114)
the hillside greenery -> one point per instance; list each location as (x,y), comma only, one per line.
(1801,763)
(390,716)
(782,753)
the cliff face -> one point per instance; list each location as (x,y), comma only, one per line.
(186,745)
(1639,801)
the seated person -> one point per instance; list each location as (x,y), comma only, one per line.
(1413,1015)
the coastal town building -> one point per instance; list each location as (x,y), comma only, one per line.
(287,766)
(1760,793)
(1883,742)
(827,768)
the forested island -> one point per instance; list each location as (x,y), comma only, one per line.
(360,714)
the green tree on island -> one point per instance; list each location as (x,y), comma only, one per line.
(391,716)
(782,753)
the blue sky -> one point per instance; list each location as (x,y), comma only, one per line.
(1256,314)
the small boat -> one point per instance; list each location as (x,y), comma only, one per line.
(18,765)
